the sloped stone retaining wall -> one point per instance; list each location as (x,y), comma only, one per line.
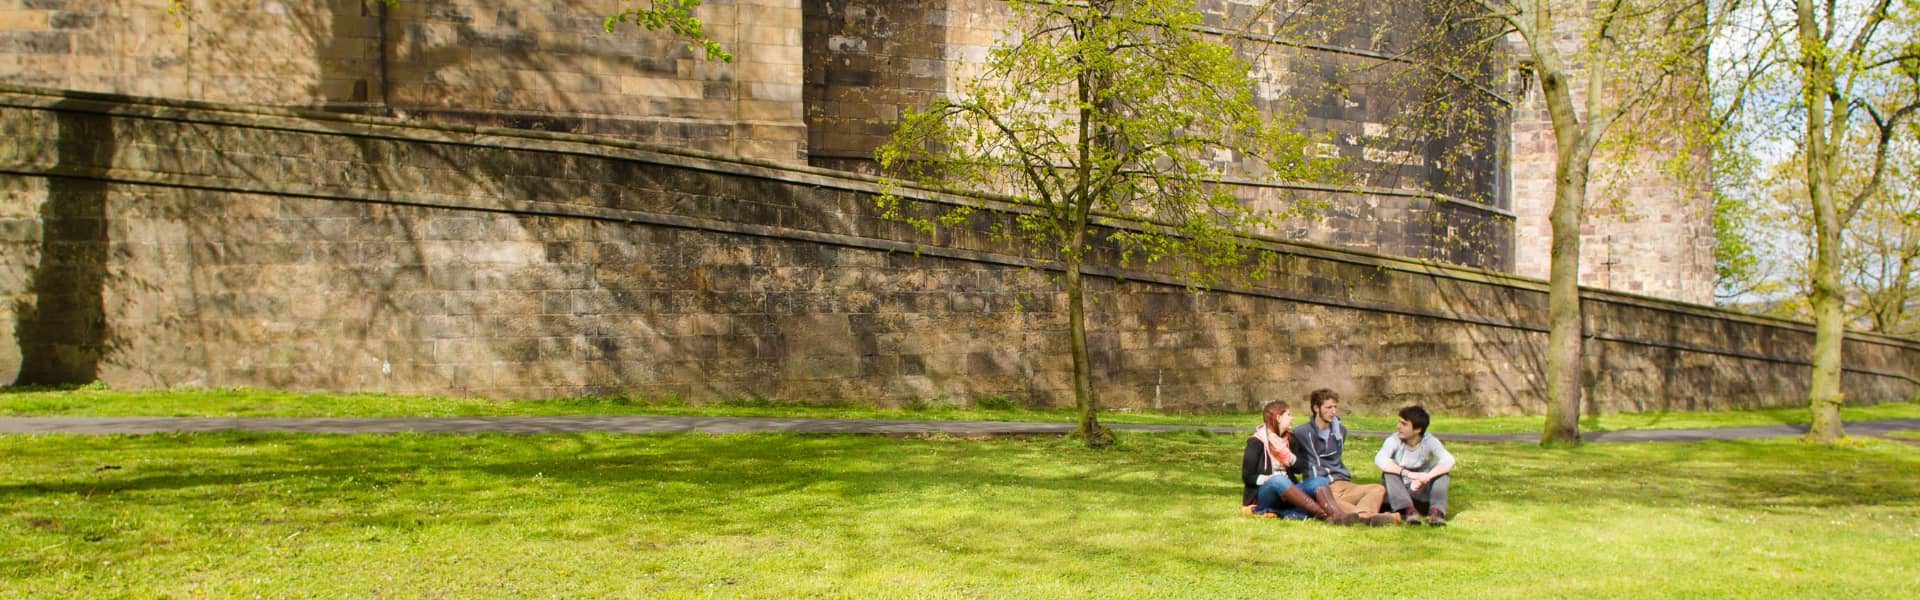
(164,243)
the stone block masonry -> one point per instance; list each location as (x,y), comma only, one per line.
(823,83)
(158,243)
(545,65)
(869,62)
(1645,229)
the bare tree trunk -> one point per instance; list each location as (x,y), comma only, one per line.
(1573,150)
(1564,334)
(1091,133)
(1829,316)
(1090,430)
(1829,333)
(1829,322)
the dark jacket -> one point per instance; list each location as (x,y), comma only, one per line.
(1318,458)
(1254,463)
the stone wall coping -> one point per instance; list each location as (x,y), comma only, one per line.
(298,119)
(373,109)
(1315,187)
(1376,191)
(1363,53)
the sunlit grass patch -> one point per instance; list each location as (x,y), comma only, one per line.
(98,400)
(766,515)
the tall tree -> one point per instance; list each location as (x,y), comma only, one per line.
(1597,63)
(1848,57)
(1116,108)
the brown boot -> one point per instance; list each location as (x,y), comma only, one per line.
(1294,496)
(1335,515)
(1384,519)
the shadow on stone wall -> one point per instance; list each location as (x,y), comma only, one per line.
(1441,119)
(1492,346)
(311,251)
(354,87)
(867,64)
(502,75)
(63,333)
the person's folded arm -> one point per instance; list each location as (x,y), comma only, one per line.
(1384,458)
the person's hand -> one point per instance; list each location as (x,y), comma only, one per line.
(1415,486)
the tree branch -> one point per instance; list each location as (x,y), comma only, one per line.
(1882,147)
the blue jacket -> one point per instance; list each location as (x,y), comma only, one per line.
(1318,457)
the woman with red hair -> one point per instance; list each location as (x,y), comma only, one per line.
(1269,491)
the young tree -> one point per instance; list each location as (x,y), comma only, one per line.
(1883,250)
(1739,275)
(1633,59)
(1117,108)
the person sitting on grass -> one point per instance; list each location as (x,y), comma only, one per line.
(1319,444)
(1269,491)
(1413,467)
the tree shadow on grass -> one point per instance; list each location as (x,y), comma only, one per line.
(565,486)
(743,466)
(1736,475)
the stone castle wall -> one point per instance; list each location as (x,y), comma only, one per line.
(540,64)
(152,244)
(1643,231)
(813,82)
(1334,70)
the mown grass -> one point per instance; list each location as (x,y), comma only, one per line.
(778,515)
(100,401)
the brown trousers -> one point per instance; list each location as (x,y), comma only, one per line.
(1363,500)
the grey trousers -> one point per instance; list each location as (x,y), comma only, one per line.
(1400,498)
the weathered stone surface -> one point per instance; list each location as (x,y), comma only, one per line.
(519,286)
(870,62)
(1644,230)
(545,65)
(812,82)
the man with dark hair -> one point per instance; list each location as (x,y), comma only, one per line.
(1318,446)
(1413,467)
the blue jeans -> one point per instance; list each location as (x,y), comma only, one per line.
(1266,499)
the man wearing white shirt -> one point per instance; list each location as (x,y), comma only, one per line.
(1414,466)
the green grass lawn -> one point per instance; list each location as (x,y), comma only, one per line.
(236,515)
(100,401)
